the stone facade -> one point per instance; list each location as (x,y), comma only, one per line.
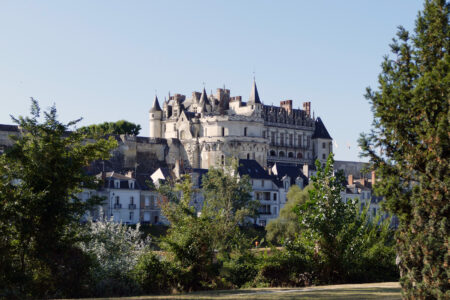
(211,129)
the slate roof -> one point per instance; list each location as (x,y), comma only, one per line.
(320,132)
(155,106)
(254,97)
(251,168)
(5,127)
(292,171)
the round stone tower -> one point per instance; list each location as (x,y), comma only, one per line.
(155,117)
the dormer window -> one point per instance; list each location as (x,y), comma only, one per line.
(131,184)
(117,184)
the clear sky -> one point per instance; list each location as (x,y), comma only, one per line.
(104,60)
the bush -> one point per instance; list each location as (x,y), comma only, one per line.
(154,275)
(240,269)
(284,268)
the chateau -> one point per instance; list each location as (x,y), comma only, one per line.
(210,129)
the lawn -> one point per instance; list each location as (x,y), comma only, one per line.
(385,290)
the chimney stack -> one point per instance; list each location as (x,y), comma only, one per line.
(286,105)
(306,170)
(307,108)
(350,179)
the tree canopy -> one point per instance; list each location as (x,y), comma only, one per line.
(119,127)
(42,173)
(409,149)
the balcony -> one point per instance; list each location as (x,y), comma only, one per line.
(117,205)
(131,206)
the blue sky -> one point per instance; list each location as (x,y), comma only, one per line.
(104,60)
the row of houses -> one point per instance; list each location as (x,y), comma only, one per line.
(131,199)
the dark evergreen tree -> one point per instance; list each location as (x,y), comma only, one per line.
(119,127)
(409,147)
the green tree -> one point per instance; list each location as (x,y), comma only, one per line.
(119,127)
(189,240)
(228,202)
(39,209)
(286,226)
(340,242)
(409,148)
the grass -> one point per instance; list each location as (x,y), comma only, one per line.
(385,290)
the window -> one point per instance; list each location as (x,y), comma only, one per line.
(282,139)
(147,201)
(223,131)
(131,200)
(272,137)
(248,155)
(275,210)
(323,155)
(117,200)
(290,154)
(323,146)
(273,153)
(291,138)
(245,131)
(274,197)
(299,140)
(286,185)
(281,154)
(374,211)
(116,184)
(223,160)
(156,219)
(174,127)
(264,134)
(131,215)
(299,155)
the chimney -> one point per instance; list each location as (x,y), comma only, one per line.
(306,170)
(373,178)
(286,105)
(350,179)
(307,108)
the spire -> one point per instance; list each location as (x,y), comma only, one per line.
(203,101)
(254,97)
(155,106)
(203,98)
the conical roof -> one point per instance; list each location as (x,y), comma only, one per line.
(320,132)
(254,97)
(155,106)
(203,98)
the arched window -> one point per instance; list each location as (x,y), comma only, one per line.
(281,154)
(290,154)
(299,155)
(182,135)
(245,131)
(273,153)
(248,155)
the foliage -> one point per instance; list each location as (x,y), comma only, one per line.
(115,248)
(409,148)
(283,268)
(39,209)
(340,239)
(227,203)
(286,226)
(189,239)
(119,127)
(153,274)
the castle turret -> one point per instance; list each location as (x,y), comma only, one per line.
(322,141)
(155,119)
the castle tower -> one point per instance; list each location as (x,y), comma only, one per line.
(155,116)
(322,141)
